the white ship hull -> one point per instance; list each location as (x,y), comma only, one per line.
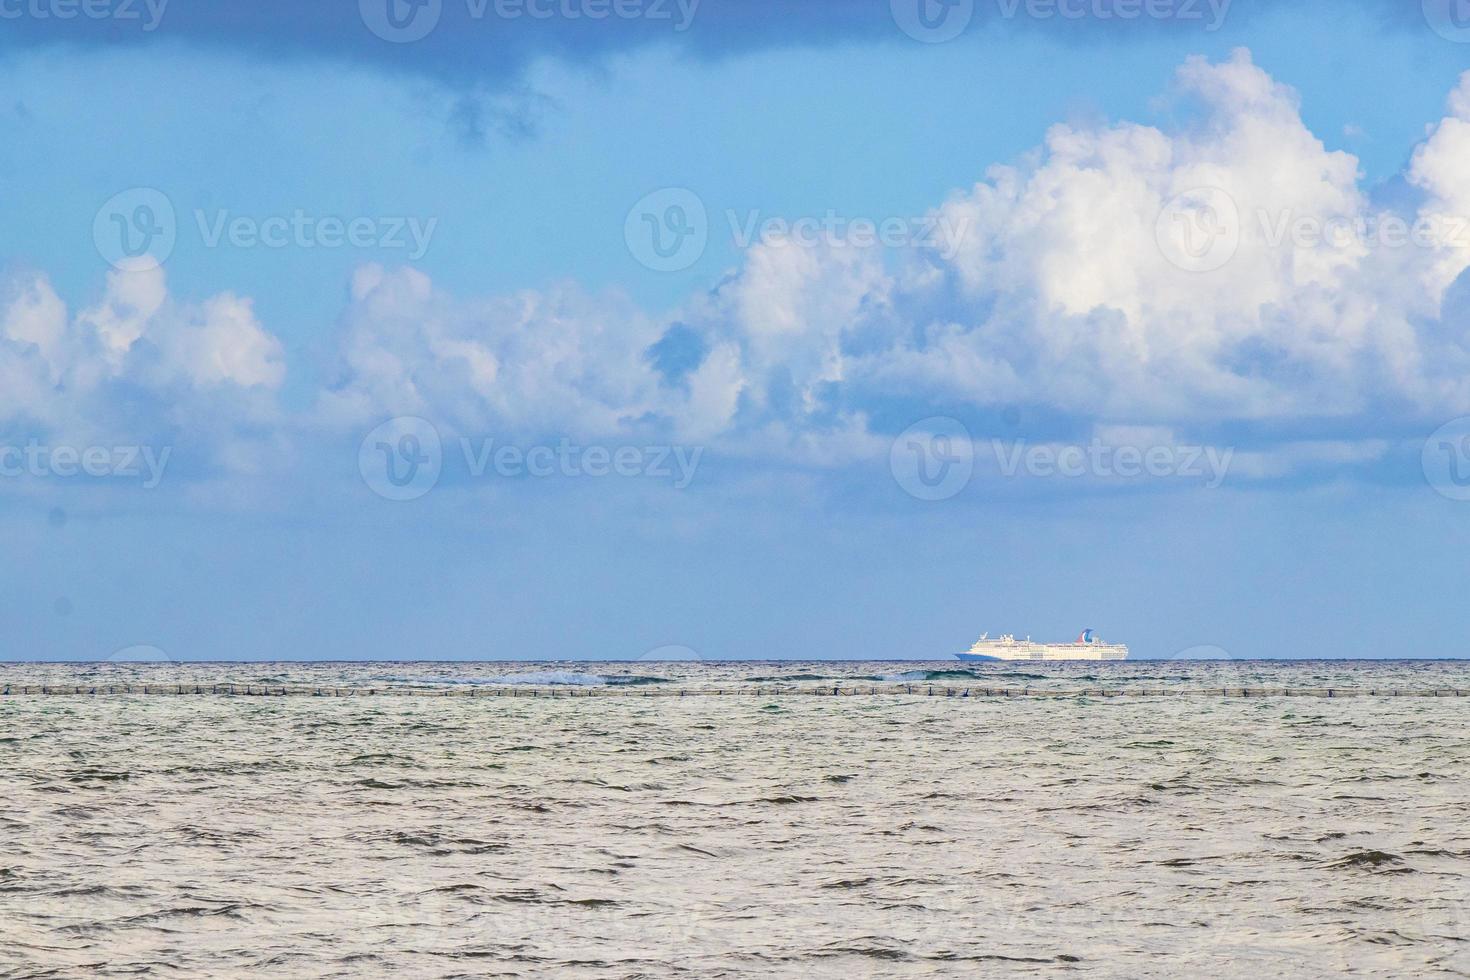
(1009,648)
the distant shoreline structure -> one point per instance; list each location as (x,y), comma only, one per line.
(1087,646)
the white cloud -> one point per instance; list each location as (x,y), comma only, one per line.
(1440,168)
(132,298)
(1290,457)
(205,365)
(1086,308)
(222,344)
(36,316)
(1061,295)
(554,361)
(1058,295)
(714,394)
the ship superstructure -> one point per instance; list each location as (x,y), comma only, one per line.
(1087,646)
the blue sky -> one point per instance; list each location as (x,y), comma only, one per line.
(829,448)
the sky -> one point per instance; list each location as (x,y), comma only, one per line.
(580,329)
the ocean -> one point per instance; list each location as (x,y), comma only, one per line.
(649,831)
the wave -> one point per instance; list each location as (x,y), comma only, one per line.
(957,674)
(947,674)
(558,678)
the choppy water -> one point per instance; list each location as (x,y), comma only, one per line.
(704,837)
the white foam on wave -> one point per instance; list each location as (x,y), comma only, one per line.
(536,678)
(550,677)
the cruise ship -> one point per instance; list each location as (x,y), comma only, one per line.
(1086,647)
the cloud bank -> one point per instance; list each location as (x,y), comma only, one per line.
(1232,272)
(463,42)
(491,42)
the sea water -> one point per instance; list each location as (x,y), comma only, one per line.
(902,836)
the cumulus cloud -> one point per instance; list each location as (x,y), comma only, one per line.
(1064,292)
(1439,168)
(133,364)
(1061,295)
(557,360)
(1094,316)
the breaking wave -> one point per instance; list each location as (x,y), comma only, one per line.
(543,678)
(568,678)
